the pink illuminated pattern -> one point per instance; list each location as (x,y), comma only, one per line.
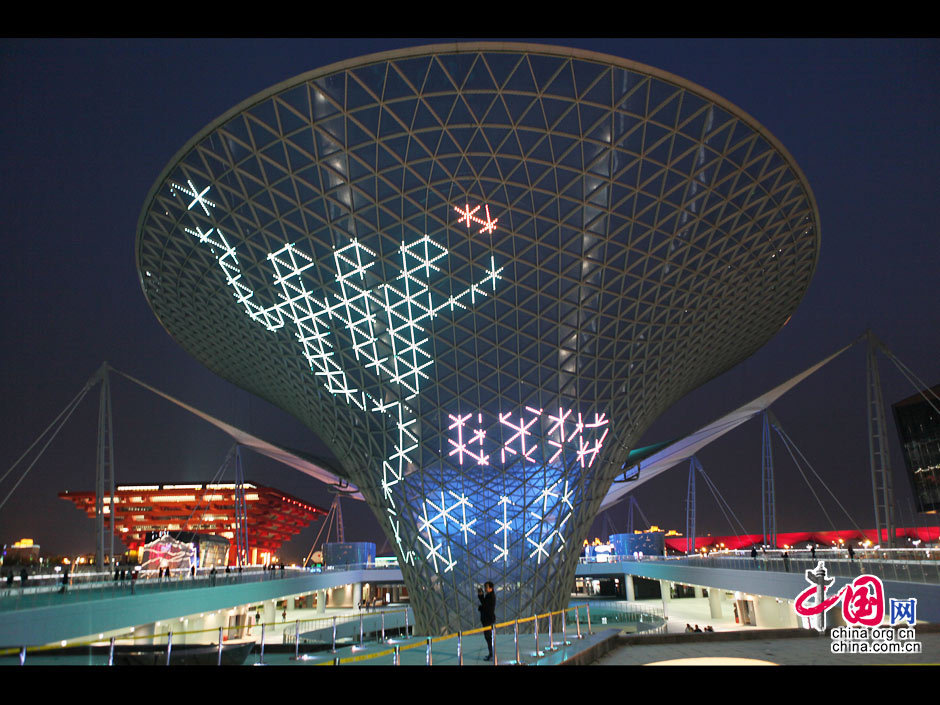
(521,432)
(566,430)
(469,216)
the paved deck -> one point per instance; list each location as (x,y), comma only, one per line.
(804,650)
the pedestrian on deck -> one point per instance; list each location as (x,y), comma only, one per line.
(487,614)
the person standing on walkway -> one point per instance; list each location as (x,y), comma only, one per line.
(487,614)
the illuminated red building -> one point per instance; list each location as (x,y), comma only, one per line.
(273,516)
(799,539)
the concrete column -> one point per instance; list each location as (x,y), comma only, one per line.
(698,591)
(269,615)
(664,589)
(769,612)
(714,603)
(357,594)
(321,601)
(144,634)
(159,630)
(195,623)
(631,593)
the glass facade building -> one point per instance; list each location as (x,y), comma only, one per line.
(918,427)
(479,272)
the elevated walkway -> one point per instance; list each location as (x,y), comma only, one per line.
(774,577)
(42,614)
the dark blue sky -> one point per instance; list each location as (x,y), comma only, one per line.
(87,125)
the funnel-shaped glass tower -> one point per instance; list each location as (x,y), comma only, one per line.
(478,273)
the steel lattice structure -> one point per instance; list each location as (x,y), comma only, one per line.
(479,272)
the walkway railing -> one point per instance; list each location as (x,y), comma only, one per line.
(575,622)
(647,619)
(905,565)
(343,628)
(45,590)
(428,643)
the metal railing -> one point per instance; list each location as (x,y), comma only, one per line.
(428,642)
(906,565)
(346,628)
(647,619)
(579,622)
(45,590)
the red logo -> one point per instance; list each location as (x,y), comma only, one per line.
(863,601)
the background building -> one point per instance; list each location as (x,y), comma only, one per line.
(273,516)
(478,273)
(919,430)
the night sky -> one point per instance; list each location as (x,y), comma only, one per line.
(87,126)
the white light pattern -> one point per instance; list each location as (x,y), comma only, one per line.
(443,514)
(504,529)
(460,446)
(541,547)
(404,308)
(198,196)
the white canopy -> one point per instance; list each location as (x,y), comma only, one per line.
(683,449)
(258,445)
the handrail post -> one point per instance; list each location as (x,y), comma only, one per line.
(493,635)
(551,638)
(577,618)
(334,635)
(336,661)
(22,655)
(406,622)
(383,627)
(296,639)
(459,650)
(111,652)
(397,656)
(262,644)
(427,661)
(169,646)
(219,661)
(536,622)
(564,627)
(590,632)
(360,628)
(515,639)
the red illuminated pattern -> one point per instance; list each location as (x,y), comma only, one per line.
(469,216)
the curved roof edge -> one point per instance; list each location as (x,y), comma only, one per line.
(469,47)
